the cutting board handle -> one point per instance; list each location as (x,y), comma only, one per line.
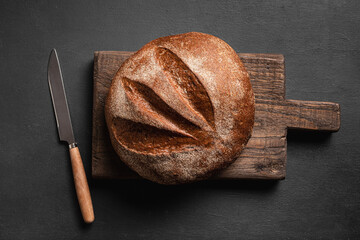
(81,185)
(312,115)
(297,114)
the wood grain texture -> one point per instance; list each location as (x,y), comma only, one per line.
(81,186)
(264,157)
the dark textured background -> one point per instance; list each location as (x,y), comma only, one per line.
(320,198)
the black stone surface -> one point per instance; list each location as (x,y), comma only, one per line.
(319,199)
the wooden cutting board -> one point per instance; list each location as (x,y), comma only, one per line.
(264,157)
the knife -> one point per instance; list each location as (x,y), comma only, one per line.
(66,134)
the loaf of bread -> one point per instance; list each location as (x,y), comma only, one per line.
(181,108)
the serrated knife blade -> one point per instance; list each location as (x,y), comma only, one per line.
(65,130)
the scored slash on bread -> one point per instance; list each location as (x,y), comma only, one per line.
(191,92)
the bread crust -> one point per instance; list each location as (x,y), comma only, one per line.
(180,108)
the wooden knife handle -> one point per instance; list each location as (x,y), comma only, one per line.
(81,185)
